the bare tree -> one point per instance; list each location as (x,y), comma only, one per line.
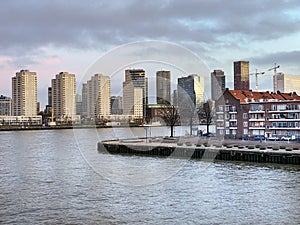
(170,115)
(205,113)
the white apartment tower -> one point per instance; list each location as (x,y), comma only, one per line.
(24,94)
(98,96)
(63,95)
(287,83)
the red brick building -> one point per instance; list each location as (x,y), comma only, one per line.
(246,113)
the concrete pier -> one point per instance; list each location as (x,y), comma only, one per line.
(205,152)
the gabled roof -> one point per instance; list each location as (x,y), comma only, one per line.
(254,96)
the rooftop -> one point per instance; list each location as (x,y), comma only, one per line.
(254,96)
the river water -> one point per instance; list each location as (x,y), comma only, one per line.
(58,177)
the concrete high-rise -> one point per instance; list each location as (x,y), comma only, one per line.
(135,93)
(287,83)
(217,84)
(98,96)
(163,87)
(50,96)
(63,95)
(191,88)
(116,103)
(24,94)
(84,99)
(241,75)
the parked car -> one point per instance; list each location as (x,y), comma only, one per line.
(208,134)
(245,137)
(259,138)
(273,138)
(286,138)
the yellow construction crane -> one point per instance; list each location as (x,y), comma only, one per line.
(256,78)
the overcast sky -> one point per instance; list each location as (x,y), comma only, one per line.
(60,35)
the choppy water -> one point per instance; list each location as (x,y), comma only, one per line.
(58,177)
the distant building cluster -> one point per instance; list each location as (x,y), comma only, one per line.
(94,105)
(237,113)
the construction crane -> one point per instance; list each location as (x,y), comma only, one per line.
(256,78)
(275,67)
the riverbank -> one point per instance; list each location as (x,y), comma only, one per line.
(24,128)
(204,150)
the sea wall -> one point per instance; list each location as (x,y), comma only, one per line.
(208,153)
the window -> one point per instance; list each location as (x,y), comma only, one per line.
(245,124)
(245,116)
(227,108)
(220,108)
(221,132)
(273,107)
(245,131)
(234,132)
(227,116)
(281,107)
(257,107)
(233,108)
(227,131)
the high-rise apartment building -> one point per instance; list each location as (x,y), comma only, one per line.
(135,93)
(24,94)
(84,99)
(191,88)
(50,96)
(5,106)
(63,95)
(163,87)
(287,83)
(241,75)
(98,96)
(217,84)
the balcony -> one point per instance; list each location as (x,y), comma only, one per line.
(233,128)
(257,112)
(257,128)
(283,120)
(284,128)
(232,112)
(285,111)
(257,120)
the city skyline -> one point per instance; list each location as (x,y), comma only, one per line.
(269,37)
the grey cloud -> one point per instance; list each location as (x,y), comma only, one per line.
(77,24)
(286,58)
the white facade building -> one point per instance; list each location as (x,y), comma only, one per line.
(24,94)
(63,95)
(287,83)
(98,96)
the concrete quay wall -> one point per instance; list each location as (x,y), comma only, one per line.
(208,153)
